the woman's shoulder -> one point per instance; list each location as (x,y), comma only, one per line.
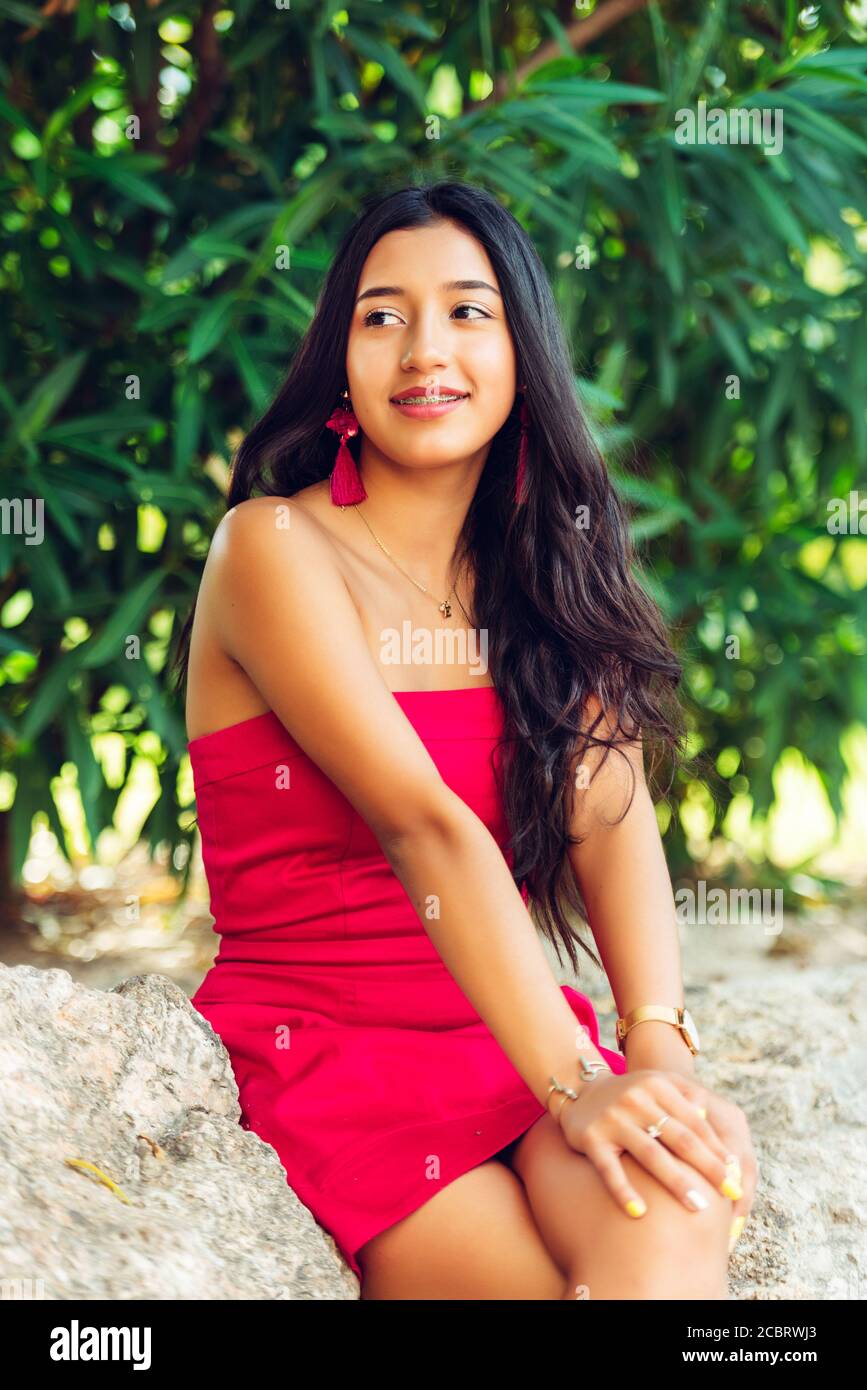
(258,528)
(268,543)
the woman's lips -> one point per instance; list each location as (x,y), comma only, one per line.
(429,411)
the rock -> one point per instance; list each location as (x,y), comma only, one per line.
(789,1047)
(135,1082)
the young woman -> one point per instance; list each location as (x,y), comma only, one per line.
(421,678)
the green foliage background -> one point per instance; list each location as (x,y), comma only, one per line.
(155,254)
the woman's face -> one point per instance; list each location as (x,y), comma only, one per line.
(416,328)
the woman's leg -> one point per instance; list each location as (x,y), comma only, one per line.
(669,1253)
(473,1239)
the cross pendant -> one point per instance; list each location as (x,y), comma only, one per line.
(445,608)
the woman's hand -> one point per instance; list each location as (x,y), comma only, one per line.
(611,1116)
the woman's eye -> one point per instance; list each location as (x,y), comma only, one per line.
(475,309)
(376,314)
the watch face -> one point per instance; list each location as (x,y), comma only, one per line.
(691,1030)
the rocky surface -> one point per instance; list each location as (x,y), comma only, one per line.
(134,1082)
(186,1204)
(792,1052)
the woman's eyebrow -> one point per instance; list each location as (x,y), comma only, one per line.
(450,285)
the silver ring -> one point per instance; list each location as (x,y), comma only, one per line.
(655,1130)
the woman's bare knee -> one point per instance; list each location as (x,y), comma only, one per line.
(474,1239)
(669,1252)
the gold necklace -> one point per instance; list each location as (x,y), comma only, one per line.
(444,606)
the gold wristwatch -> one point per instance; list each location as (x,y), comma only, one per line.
(662,1013)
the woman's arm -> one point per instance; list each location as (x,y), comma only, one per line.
(624,881)
(627,892)
(284,613)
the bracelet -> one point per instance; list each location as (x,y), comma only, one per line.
(589,1072)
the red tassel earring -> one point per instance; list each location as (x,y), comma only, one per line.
(346,484)
(522,453)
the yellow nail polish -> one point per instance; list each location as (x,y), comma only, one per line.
(732,1189)
(734,1234)
(636,1207)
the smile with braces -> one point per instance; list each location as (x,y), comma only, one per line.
(427,400)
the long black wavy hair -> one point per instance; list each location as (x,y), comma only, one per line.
(566,619)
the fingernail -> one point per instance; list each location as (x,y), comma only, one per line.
(696,1199)
(636,1207)
(702,1111)
(734,1234)
(732,1188)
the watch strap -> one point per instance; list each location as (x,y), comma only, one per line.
(659,1013)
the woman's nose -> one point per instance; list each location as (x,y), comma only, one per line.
(423,351)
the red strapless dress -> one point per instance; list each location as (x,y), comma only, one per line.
(357,1056)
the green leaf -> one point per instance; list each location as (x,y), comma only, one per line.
(210,328)
(737,353)
(47,577)
(777,207)
(139,190)
(250,155)
(258,390)
(119,173)
(188,426)
(126,620)
(30,795)
(649,494)
(90,449)
(51,693)
(182,496)
(233,231)
(116,423)
(824,129)
(163,314)
(56,507)
(394,17)
(79,248)
(592,93)
(296,219)
(853,58)
(262,43)
(559,33)
(779,393)
(548,118)
(388,58)
(88,770)
(657,524)
(48,396)
(79,101)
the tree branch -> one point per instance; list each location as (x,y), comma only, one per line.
(212,78)
(580,33)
